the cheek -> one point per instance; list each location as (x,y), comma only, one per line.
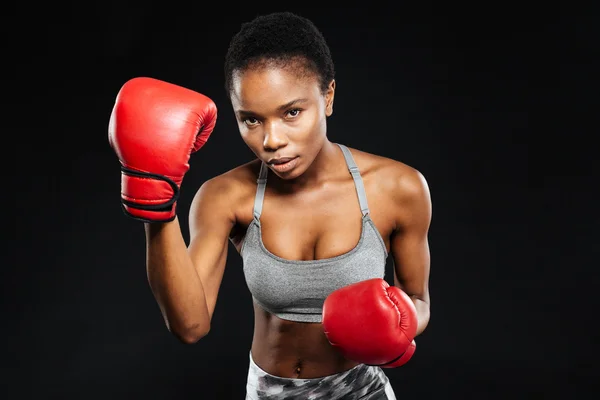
(246,134)
(252,137)
(313,125)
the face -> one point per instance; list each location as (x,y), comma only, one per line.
(282,117)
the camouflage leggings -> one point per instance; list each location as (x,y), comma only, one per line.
(359,383)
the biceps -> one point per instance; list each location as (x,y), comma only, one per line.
(410,252)
(209,256)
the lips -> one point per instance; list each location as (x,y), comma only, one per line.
(281,160)
(284,164)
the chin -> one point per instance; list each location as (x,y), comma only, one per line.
(288,176)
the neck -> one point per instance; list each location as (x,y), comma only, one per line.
(325,165)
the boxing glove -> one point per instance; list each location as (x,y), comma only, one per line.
(154,128)
(371,322)
(403,359)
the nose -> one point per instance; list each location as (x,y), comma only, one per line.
(274,139)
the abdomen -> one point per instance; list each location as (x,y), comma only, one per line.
(294,349)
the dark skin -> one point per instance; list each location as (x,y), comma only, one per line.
(309,213)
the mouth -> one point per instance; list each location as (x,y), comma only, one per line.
(283,164)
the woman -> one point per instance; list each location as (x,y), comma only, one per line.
(308,216)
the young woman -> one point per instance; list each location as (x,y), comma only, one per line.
(313,221)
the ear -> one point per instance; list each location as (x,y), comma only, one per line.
(329,98)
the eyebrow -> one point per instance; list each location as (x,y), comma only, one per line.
(280,108)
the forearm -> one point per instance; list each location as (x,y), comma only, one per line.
(423,314)
(421,303)
(175,283)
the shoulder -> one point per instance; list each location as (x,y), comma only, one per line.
(229,188)
(401,186)
(393,177)
(236,179)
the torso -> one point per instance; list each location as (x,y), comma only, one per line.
(310,224)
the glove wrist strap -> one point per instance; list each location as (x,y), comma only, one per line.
(146,210)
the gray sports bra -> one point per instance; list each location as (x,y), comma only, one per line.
(296,289)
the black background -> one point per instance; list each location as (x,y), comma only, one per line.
(492,103)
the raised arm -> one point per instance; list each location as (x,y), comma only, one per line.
(154,127)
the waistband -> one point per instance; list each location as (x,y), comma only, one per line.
(360,382)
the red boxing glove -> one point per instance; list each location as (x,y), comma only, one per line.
(154,127)
(372,323)
(404,358)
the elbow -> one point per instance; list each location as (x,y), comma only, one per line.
(191,334)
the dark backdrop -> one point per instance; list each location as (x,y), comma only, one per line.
(490,104)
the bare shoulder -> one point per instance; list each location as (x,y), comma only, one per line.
(227,190)
(393,178)
(233,181)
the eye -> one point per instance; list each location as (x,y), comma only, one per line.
(294,112)
(250,121)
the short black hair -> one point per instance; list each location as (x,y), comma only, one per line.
(282,39)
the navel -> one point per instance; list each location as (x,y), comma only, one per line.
(298,368)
